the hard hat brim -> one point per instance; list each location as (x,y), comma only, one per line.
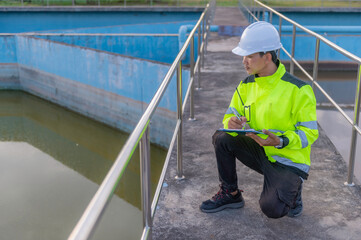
(240,52)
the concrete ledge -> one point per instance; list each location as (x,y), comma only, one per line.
(101,9)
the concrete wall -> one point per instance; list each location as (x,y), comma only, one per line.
(32,21)
(157,48)
(143,28)
(9,74)
(8,49)
(107,78)
(110,88)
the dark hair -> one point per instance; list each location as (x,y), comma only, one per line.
(273,54)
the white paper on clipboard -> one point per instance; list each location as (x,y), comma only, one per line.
(241,131)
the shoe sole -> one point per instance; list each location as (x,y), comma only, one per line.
(231,205)
(294,215)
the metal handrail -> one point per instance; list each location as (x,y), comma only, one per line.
(91,216)
(355,122)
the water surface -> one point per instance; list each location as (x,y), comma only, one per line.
(51,164)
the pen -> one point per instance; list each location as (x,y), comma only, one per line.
(237,116)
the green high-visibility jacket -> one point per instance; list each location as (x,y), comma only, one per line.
(284,105)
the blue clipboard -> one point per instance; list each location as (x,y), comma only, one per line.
(240,131)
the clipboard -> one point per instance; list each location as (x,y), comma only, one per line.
(240,131)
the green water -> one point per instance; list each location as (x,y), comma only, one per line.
(52,162)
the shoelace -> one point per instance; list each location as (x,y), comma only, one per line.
(221,194)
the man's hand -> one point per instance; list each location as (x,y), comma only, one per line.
(235,123)
(272,139)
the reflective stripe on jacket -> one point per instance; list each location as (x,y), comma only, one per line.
(286,106)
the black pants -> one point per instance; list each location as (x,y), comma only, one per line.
(280,185)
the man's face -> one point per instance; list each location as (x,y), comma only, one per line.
(254,63)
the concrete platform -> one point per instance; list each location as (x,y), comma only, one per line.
(331,210)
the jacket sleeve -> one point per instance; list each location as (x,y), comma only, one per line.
(304,111)
(234,107)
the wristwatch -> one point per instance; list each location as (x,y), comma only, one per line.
(279,146)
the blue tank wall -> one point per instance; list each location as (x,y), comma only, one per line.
(347,37)
(16,22)
(132,78)
(157,48)
(142,28)
(8,49)
(320,18)
(163,46)
(107,78)
(342,28)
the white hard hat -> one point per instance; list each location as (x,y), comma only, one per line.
(258,37)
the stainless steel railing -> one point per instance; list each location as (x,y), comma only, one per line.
(254,13)
(87,223)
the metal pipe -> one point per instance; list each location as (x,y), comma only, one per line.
(145,233)
(351,164)
(179,113)
(199,57)
(202,49)
(186,96)
(292,66)
(270,17)
(164,170)
(207,30)
(315,63)
(280,33)
(191,98)
(263,15)
(144,150)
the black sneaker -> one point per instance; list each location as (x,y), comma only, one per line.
(297,209)
(223,199)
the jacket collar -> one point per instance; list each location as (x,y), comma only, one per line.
(273,79)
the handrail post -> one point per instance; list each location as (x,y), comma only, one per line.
(315,63)
(270,17)
(292,64)
(351,163)
(191,98)
(179,135)
(280,33)
(199,57)
(208,29)
(144,147)
(203,42)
